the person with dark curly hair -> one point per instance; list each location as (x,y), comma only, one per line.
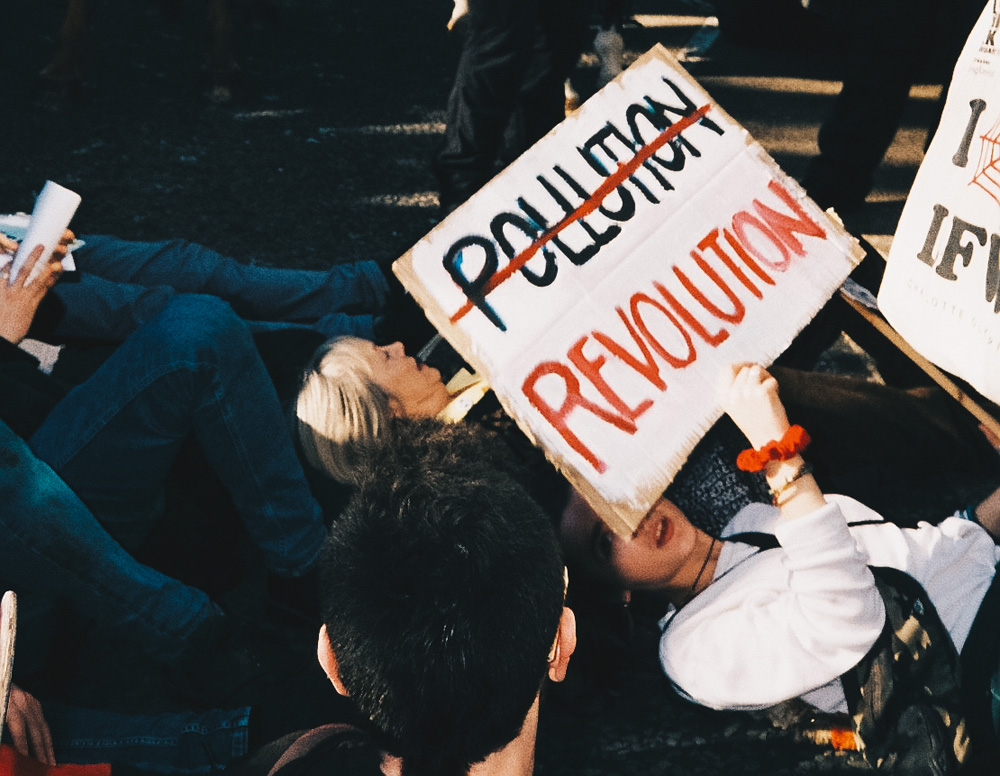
(192,370)
(442,590)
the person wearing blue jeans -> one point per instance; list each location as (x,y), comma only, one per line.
(191,369)
(52,547)
(123,283)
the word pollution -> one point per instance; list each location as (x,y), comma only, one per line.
(553,215)
(605,280)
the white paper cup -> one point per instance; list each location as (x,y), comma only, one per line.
(53,211)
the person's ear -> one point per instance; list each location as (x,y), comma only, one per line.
(328,660)
(564,645)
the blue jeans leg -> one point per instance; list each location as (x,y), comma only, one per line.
(95,308)
(122,282)
(184,742)
(192,369)
(53,547)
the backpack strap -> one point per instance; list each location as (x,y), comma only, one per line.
(312,746)
(768,541)
(758,539)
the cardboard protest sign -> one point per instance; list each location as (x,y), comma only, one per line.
(602,281)
(941,289)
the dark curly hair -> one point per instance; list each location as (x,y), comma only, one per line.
(441,590)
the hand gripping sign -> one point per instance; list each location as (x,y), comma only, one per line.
(602,280)
(941,289)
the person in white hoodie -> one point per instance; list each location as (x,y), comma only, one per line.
(748,629)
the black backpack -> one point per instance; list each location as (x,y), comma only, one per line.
(905,696)
(329,750)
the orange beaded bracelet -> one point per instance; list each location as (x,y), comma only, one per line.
(795,440)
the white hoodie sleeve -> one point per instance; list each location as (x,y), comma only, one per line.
(779,624)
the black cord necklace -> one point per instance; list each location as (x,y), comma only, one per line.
(694,585)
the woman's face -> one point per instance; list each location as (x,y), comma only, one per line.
(417,390)
(650,560)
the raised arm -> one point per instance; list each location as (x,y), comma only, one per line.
(750,398)
(783,623)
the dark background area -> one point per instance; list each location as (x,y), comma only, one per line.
(297,171)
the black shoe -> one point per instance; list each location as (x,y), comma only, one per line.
(404,322)
(396,291)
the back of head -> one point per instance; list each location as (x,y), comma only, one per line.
(340,408)
(442,590)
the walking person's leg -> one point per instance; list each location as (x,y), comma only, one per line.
(496,53)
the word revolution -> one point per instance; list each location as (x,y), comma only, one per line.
(665,324)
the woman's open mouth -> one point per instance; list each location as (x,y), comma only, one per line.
(664,531)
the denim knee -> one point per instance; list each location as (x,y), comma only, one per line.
(200,327)
(25,484)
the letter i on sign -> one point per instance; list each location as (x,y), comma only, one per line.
(961,157)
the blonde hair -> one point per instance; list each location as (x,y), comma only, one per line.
(340,407)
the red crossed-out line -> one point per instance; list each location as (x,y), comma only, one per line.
(610,183)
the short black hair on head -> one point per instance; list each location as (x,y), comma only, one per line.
(441,591)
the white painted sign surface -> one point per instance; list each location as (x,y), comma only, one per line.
(941,289)
(603,280)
